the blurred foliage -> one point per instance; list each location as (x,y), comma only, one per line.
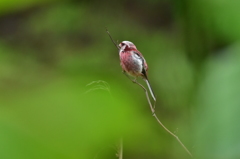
(217,133)
(63,94)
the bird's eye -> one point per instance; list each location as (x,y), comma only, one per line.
(121,44)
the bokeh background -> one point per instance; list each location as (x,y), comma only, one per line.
(63,96)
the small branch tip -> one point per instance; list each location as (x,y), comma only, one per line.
(112,39)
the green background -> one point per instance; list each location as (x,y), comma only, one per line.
(63,96)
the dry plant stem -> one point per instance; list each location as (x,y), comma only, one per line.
(120,149)
(153,112)
(112,39)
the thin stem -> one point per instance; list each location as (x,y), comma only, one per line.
(173,135)
(153,112)
(120,149)
(112,39)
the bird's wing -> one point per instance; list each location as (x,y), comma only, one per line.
(144,66)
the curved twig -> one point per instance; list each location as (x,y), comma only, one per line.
(153,112)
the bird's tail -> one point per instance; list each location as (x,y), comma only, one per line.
(150,90)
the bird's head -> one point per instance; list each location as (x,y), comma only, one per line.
(127,45)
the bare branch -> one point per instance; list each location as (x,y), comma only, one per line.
(153,112)
(112,39)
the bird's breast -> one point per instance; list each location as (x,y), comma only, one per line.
(131,63)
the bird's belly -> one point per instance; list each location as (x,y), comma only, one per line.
(132,65)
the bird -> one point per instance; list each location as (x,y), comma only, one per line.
(133,63)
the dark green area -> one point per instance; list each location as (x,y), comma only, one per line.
(63,96)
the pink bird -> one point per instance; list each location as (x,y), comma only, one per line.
(133,63)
